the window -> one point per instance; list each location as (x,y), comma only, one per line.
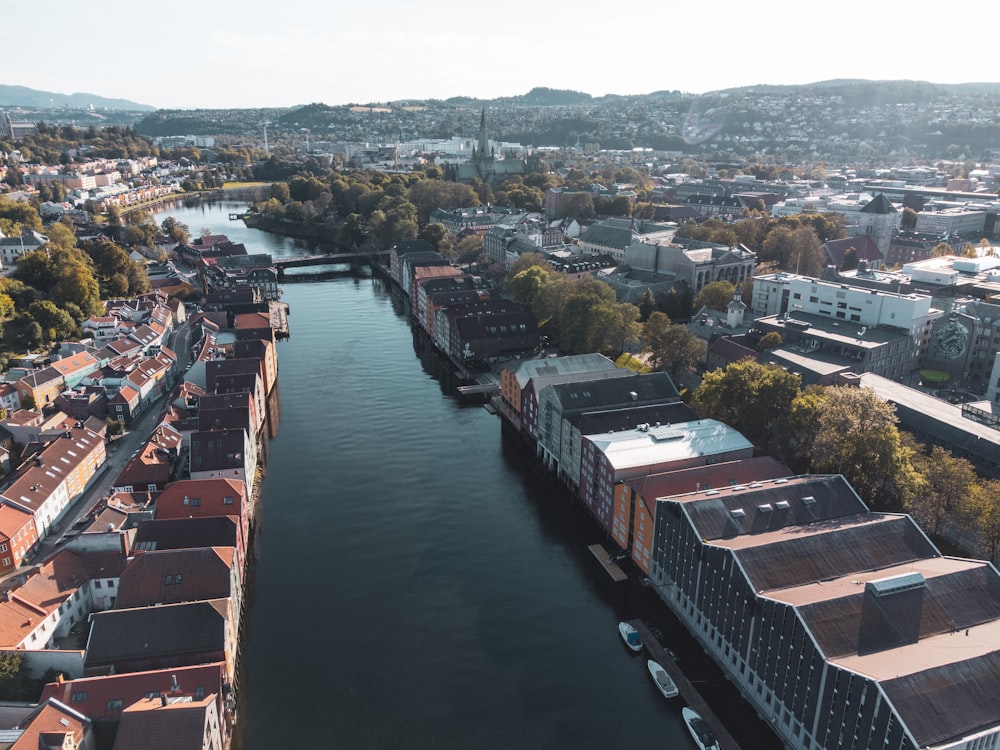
(177,578)
(227,500)
(78,697)
(195,501)
(97,584)
(6,562)
(3,547)
(169,581)
(115,704)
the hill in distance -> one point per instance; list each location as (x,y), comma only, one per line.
(22,96)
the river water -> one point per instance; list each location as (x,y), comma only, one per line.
(417,586)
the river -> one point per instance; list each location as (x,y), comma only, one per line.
(417,586)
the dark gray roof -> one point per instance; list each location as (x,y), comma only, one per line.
(833,496)
(835,547)
(184,533)
(147,632)
(595,422)
(949,702)
(878,205)
(596,394)
(945,603)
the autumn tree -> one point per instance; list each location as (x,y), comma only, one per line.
(438,236)
(946,481)
(986,512)
(751,397)
(854,433)
(770,340)
(673,348)
(715,295)
(469,248)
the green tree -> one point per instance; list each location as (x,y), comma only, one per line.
(682,354)
(56,324)
(770,340)
(647,305)
(468,248)
(439,236)
(13,676)
(627,328)
(526,285)
(177,231)
(855,434)
(715,295)
(751,397)
(946,481)
(850,261)
(986,512)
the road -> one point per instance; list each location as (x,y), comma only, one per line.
(119,452)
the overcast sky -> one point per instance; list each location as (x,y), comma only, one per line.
(222,54)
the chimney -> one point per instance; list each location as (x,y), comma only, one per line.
(163,699)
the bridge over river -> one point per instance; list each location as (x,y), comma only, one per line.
(330,259)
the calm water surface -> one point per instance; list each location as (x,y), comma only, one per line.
(417,587)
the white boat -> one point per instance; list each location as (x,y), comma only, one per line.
(631,636)
(663,682)
(699,730)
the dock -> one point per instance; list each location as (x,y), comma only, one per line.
(688,692)
(611,568)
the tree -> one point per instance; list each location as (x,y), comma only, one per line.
(177,231)
(56,324)
(468,248)
(647,305)
(850,261)
(770,340)
(754,398)
(13,678)
(855,434)
(526,285)
(946,482)
(428,195)
(986,511)
(715,295)
(674,349)
(439,236)
(627,329)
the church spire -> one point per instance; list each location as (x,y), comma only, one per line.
(484,144)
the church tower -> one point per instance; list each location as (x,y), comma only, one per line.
(879,220)
(735,310)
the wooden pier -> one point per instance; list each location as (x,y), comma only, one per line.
(688,693)
(612,568)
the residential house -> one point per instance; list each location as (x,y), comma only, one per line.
(183,575)
(559,400)
(40,388)
(18,537)
(154,465)
(514,380)
(636,500)
(104,698)
(52,725)
(609,458)
(195,498)
(192,532)
(167,722)
(75,367)
(125,405)
(56,475)
(170,635)
(62,592)
(224,454)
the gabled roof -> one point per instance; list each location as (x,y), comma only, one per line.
(879,205)
(595,394)
(186,533)
(98,697)
(152,724)
(172,576)
(863,245)
(147,632)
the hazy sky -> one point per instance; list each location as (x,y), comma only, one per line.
(220,53)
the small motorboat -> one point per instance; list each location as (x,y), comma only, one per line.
(631,636)
(699,729)
(662,680)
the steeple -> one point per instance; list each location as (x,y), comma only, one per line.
(484,144)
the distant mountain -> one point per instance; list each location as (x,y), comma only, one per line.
(21,96)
